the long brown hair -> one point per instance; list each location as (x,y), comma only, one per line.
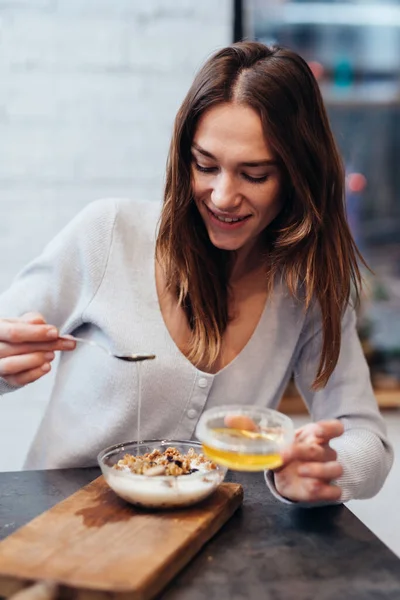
(309,243)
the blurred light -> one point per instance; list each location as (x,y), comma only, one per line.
(341,13)
(317,69)
(356,182)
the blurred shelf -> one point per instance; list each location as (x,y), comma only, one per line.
(388,398)
(374,94)
(293,404)
(340,13)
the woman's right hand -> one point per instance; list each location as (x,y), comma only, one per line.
(27,348)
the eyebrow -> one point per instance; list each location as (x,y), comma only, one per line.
(251,163)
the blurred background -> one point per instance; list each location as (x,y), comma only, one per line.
(89,90)
(88,94)
(353,49)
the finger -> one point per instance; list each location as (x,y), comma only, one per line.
(28,376)
(318,491)
(308,453)
(302,489)
(317,470)
(13,365)
(240,422)
(29,348)
(33,317)
(315,490)
(322,431)
(306,431)
(16,332)
(28,317)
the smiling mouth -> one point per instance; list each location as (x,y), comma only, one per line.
(227,219)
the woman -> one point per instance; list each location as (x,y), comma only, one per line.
(245,281)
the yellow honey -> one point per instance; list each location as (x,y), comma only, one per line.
(243,461)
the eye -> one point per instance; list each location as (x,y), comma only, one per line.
(204,169)
(255,179)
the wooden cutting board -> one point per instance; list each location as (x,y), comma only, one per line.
(94,545)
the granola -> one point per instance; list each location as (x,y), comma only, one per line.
(170,462)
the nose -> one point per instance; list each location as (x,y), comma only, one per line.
(225,196)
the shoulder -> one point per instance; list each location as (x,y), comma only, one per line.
(118,216)
(137,214)
(109,209)
(97,217)
(94,228)
(135,226)
(127,227)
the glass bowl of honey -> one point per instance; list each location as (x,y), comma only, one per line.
(245,438)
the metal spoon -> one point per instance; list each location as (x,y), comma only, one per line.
(126,357)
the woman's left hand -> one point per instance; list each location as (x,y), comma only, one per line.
(310,465)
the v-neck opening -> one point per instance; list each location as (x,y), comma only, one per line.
(175,346)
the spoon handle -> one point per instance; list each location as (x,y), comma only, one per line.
(90,342)
(127,357)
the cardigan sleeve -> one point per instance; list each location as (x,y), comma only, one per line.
(363,450)
(62,281)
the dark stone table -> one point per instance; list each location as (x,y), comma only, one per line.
(268,550)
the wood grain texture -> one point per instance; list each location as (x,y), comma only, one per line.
(94,545)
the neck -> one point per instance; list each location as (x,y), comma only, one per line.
(246,261)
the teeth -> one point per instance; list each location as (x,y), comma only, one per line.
(227,219)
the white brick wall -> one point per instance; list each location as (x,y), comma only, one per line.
(88,94)
(89,90)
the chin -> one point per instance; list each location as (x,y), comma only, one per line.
(228,245)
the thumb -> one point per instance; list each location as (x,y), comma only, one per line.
(33,317)
(321,431)
(240,422)
(308,433)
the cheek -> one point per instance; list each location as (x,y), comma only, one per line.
(270,200)
(198,194)
(197,188)
(279,202)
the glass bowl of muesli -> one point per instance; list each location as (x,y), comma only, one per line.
(160,473)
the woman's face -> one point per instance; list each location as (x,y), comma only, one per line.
(237,184)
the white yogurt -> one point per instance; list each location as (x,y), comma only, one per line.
(164,492)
